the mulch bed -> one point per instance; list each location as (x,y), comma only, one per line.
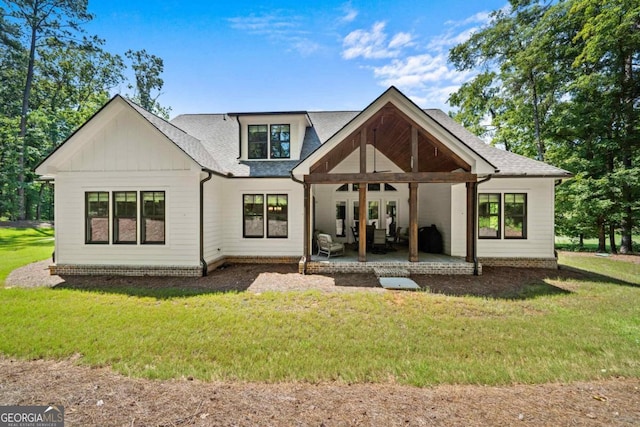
(100,397)
(258,278)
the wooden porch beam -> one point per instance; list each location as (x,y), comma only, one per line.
(390,177)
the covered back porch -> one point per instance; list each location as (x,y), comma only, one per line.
(391,143)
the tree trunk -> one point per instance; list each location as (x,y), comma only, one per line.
(612,238)
(602,237)
(536,117)
(26,93)
(39,202)
(626,244)
(581,244)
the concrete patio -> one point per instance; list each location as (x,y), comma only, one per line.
(393,260)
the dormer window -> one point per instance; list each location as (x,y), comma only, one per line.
(273,144)
(280,142)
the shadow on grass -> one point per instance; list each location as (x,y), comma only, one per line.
(217,282)
(33,237)
(598,277)
(495,283)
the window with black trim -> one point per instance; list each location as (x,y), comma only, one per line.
(280,141)
(125,217)
(253,215)
(489,215)
(277,215)
(515,215)
(258,141)
(152,217)
(97,217)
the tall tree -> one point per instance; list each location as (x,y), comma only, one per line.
(147,69)
(610,40)
(40,19)
(564,75)
(511,78)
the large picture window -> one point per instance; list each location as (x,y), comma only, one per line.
(515,216)
(280,142)
(97,217)
(152,217)
(253,215)
(258,141)
(488,216)
(277,215)
(125,207)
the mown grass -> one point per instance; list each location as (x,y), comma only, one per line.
(21,246)
(418,338)
(590,245)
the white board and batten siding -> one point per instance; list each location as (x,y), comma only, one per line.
(231,202)
(127,154)
(540,219)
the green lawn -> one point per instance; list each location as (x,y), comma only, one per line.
(21,246)
(590,245)
(412,338)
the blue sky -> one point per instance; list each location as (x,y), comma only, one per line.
(284,55)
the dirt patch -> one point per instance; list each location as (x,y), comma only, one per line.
(98,396)
(258,278)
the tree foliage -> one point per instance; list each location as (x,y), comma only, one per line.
(147,69)
(52,79)
(559,81)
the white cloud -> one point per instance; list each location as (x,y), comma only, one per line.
(479,18)
(306,47)
(400,40)
(415,71)
(425,77)
(350,13)
(372,44)
(265,24)
(278,27)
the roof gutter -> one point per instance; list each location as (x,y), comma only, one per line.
(239,138)
(304,257)
(475,227)
(203,262)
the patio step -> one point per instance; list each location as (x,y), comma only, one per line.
(391,272)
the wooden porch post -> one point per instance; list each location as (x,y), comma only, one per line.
(413,222)
(362,224)
(413,199)
(307,222)
(362,200)
(471,221)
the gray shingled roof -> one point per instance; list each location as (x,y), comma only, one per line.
(187,143)
(218,134)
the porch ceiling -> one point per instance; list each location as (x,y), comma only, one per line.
(390,131)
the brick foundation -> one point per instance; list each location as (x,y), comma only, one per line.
(262,260)
(168,271)
(124,270)
(444,268)
(549,263)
